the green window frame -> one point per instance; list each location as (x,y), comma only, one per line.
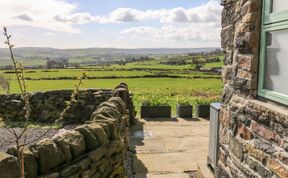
(271,21)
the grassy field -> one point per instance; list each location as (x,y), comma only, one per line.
(38,74)
(192,85)
(142,88)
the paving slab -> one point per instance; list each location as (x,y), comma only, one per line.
(169,147)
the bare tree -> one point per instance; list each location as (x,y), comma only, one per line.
(19,138)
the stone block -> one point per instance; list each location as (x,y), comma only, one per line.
(247,62)
(227,37)
(69,170)
(107,171)
(98,153)
(228,74)
(9,166)
(265,132)
(283,157)
(227,94)
(222,155)
(48,155)
(246,43)
(277,127)
(236,148)
(118,171)
(244,132)
(225,117)
(255,153)
(285,145)
(104,165)
(75,141)
(75,175)
(250,17)
(99,133)
(233,122)
(224,135)
(114,147)
(278,168)
(108,112)
(91,141)
(235,172)
(229,15)
(30,164)
(264,146)
(242,28)
(102,161)
(119,103)
(242,166)
(83,164)
(96,175)
(113,128)
(258,167)
(88,173)
(51,175)
(117,158)
(225,2)
(249,7)
(222,171)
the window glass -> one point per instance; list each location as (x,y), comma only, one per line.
(276,73)
(279,5)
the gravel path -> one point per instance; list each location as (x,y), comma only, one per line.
(33,134)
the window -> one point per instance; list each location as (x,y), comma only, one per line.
(273,68)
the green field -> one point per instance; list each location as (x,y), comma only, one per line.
(142,88)
(40,73)
(191,85)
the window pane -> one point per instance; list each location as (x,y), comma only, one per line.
(279,5)
(276,72)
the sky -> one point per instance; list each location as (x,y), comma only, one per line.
(112,23)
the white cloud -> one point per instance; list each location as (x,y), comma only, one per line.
(173,33)
(199,24)
(50,34)
(37,13)
(186,24)
(24,17)
(59,15)
(209,12)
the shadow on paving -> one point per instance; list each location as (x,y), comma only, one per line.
(137,135)
(173,119)
(194,119)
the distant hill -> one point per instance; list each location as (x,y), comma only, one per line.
(35,53)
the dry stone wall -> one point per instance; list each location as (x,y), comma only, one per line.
(47,106)
(253,131)
(95,149)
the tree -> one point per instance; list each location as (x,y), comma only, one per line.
(198,64)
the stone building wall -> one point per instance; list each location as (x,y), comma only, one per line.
(253,132)
(95,149)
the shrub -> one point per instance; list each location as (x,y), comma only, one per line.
(184,101)
(156,101)
(207,100)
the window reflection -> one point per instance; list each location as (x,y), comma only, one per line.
(279,5)
(276,75)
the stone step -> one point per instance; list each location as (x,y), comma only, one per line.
(203,171)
